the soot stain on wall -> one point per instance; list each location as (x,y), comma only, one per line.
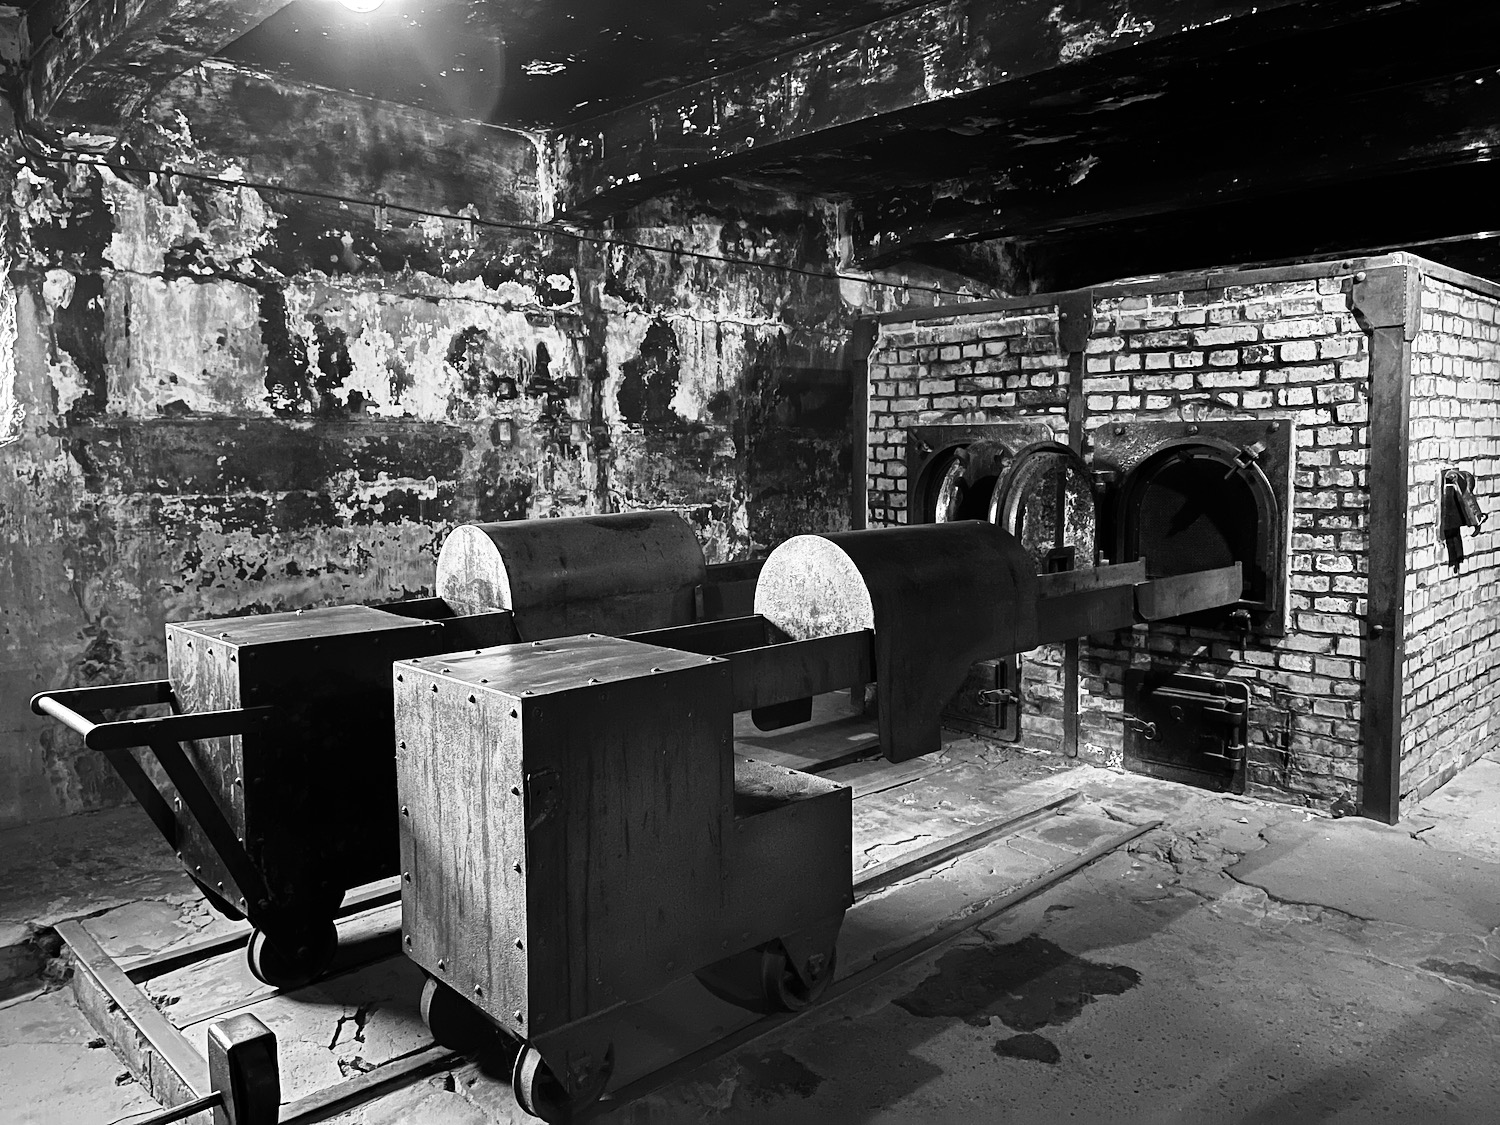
(650,380)
(349,391)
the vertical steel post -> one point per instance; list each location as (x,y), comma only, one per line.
(1387,302)
(861,343)
(1075,320)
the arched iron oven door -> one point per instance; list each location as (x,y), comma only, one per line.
(952,468)
(1197,503)
(1044,497)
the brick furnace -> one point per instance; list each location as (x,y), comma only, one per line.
(1333,427)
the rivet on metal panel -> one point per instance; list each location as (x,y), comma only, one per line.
(484,679)
(520,1016)
(240,781)
(473,699)
(408,941)
(405,809)
(1192,429)
(190,644)
(198,867)
(1360,276)
(298,612)
(528,691)
(221,886)
(656,669)
(179,804)
(402,744)
(478,991)
(593,679)
(1274,426)
(447,671)
(243,903)
(536,644)
(400,679)
(517,866)
(515,790)
(434,687)
(406,875)
(1119,430)
(514,714)
(223,636)
(520,944)
(442,966)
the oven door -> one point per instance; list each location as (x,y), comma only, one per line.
(1195,496)
(953,468)
(1045,498)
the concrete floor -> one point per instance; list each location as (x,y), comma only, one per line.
(1245,962)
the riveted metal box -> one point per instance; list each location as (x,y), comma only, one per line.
(564,812)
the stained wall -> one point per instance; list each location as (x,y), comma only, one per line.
(217,399)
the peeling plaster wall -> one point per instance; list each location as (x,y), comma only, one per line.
(216,399)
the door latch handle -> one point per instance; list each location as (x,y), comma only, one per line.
(996,697)
(1145,730)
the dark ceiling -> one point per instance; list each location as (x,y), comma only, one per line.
(1314,127)
(534,62)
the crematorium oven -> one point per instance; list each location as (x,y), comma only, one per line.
(1297,421)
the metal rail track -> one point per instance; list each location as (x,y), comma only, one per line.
(176,1074)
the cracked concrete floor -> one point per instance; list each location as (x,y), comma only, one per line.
(1343,971)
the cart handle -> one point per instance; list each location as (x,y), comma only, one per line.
(164,736)
(125,734)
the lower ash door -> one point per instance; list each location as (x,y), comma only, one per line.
(1185,728)
(989,703)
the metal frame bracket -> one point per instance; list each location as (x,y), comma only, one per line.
(1388,297)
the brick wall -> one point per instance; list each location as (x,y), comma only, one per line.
(1289,349)
(1278,349)
(1000,368)
(1451,675)
(1004,367)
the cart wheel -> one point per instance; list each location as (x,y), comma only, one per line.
(540,1093)
(762,979)
(783,987)
(452,1020)
(271,964)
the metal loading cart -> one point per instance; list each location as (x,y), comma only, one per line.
(271,774)
(576,833)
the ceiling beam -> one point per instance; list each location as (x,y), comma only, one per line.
(873,80)
(1328,144)
(1446,214)
(90,66)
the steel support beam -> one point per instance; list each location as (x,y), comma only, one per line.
(1388,303)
